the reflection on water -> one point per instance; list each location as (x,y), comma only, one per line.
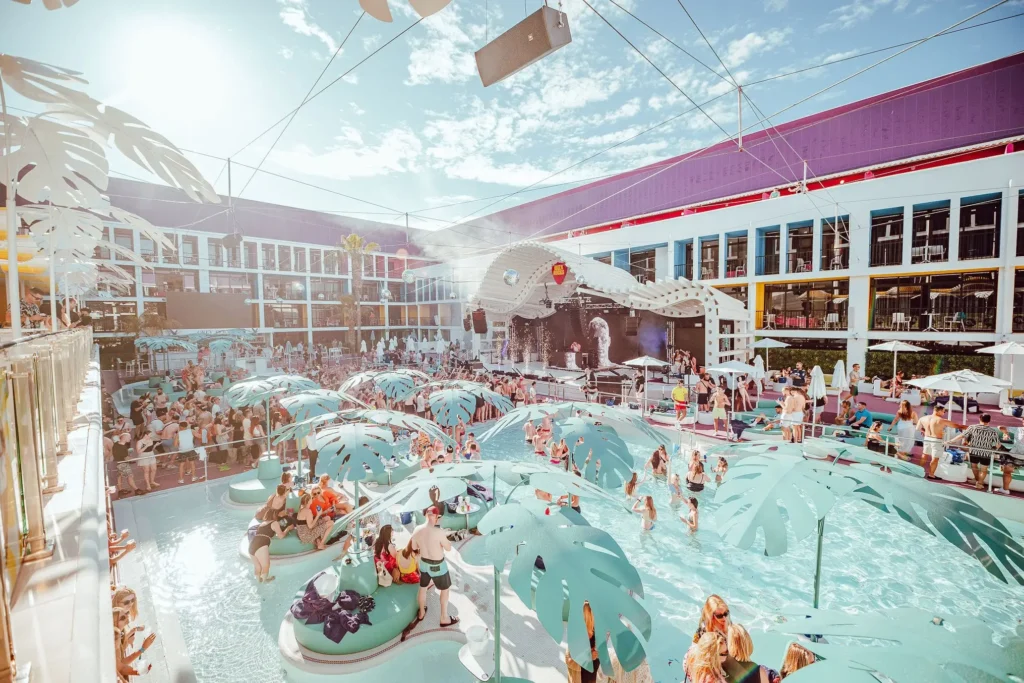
(871,560)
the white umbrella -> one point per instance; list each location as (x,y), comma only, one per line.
(768,343)
(894,347)
(645,362)
(961,382)
(1010,349)
(840,381)
(816,390)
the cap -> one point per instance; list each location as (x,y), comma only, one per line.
(432,510)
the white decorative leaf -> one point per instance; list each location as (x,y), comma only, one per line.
(144,226)
(141,144)
(39,82)
(65,166)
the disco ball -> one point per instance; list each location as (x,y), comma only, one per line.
(511,277)
(385,294)
(408,277)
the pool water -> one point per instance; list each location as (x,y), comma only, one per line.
(871,560)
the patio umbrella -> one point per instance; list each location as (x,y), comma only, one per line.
(768,343)
(1010,349)
(645,362)
(816,390)
(961,382)
(894,347)
(840,381)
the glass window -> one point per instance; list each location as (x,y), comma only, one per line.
(159,282)
(111,316)
(979,228)
(216,250)
(329,315)
(123,239)
(315,260)
(284,257)
(170,254)
(284,315)
(330,262)
(190,250)
(107,277)
(805,305)
(147,248)
(250,255)
(887,239)
(233,283)
(951,302)
(283,287)
(300,260)
(930,241)
(326,289)
(1018,301)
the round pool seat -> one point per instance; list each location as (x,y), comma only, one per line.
(255,491)
(394,609)
(406,468)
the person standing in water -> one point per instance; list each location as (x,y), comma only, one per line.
(430,541)
(647,512)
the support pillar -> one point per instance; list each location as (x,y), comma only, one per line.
(44,381)
(36,545)
(8,666)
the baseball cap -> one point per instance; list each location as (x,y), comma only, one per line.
(432,510)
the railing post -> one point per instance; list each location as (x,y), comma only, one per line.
(43,384)
(8,666)
(59,352)
(26,419)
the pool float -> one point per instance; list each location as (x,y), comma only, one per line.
(290,549)
(254,490)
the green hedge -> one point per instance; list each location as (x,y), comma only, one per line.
(880,363)
(788,358)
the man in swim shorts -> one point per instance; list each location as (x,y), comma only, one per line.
(430,541)
(680,394)
(720,401)
(933,428)
(793,414)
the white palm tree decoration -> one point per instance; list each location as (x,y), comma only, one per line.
(448,405)
(291,383)
(378,9)
(395,384)
(59,157)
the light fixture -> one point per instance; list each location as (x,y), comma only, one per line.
(511,277)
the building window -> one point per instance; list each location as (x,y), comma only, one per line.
(330,315)
(769,244)
(800,248)
(1018,301)
(1020,224)
(641,265)
(147,249)
(190,250)
(216,250)
(284,315)
(232,283)
(282,287)
(315,260)
(123,239)
(607,258)
(951,302)
(330,262)
(284,257)
(835,243)
(250,255)
(169,254)
(684,259)
(112,316)
(738,292)
(887,238)
(107,277)
(979,227)
(102,252)
(269,257)
(736,256)
(159,282)
(930,240)
(818,305)
(709,259)
(325,289)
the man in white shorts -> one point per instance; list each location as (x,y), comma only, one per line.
(933,428)
(792,414)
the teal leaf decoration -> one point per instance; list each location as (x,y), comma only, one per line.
(302,428)
(316,402)
(162,344)
(582,564)
(397,419)
(346,451)
(902,645)
(249,392)
(291,383)
(609,449)
(448,405)
(626,425)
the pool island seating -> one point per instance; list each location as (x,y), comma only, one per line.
(290,550)
(404,468)
(256,488)
(395,634)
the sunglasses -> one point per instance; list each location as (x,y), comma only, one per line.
(723,615)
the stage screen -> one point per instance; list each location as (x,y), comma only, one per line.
(197,310)
(606,335)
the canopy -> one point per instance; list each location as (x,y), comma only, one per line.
(734,367)
(895,347)
(1010,349)
(646,362)
(768,343)
(961,382)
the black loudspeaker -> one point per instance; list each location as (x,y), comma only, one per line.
(480,321)
(632,325)
(467,323)
(533,38)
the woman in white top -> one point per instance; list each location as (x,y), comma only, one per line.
(904,422)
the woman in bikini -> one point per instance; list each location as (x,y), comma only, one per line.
(648,515)
(658,462)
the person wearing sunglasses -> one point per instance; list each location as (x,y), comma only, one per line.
(714,617)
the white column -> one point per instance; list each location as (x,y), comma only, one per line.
(1008,255)
(859,224)
(908,233)
(816,229)
(954,230)
(309,308)
(36,545)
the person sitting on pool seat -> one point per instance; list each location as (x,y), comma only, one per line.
(313,526)
(769,424)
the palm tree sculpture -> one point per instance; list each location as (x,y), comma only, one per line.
(796,485)
(357,250)
(59,157)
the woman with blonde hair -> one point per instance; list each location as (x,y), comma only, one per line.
(738,666)
(577,674)
(797,657)
(704,660)
(714,617)
(645,506)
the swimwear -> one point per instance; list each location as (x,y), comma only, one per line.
(436,571)
(718,414)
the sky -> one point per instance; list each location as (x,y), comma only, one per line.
(413,134)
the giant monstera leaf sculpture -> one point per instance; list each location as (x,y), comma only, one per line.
(790,486)
(316,402)
(581,564)
(448,405)
(165,344)
(625,424)
(396,419)
(249,392)
(602,456)
(903,646)
(348,451)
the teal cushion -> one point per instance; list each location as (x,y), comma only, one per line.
(155,382)
(394,609)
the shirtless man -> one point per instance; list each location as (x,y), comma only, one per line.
(793,415)
(720,400)
(932,427)
(530,430)
(430,541)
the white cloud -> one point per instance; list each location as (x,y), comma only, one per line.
(484,169)
(445,55)
(371,42)
(352,78)
(356,109)
(396,151)
(295,15)
(775,5)
(286,52)
(742,49)
(851,14)
(836,56)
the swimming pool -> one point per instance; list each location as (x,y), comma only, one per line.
(229,626)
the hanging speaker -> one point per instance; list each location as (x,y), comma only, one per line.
(479,321)
(632,325)
(533,38)
(467,323)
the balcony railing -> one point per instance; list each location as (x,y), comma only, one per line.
(736,267)
(801,262)
(190,260)
(774,320)
(938,320)
(888,253)
(835,258)
(928,253)
(768,264)
(683,270)
(978,244)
